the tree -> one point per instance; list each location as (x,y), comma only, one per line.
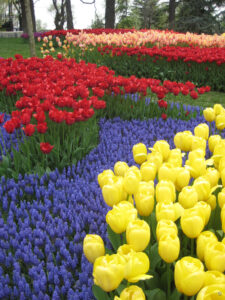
(60,13)
(20,8)
(172,8)
(110,13)
(69,15)
(30,27)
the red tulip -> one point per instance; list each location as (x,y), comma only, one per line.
(46,147)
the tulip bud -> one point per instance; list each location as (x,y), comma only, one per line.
(132,178)
(220,121)
(203,239)
(196,167)
(202,130)
(163,147)
(198,142)
(221,164)
(105,177)
(165,211)
(125,249)
(192,222)
(138,234)
(165,191)
(131,293)
(212,292)
(93,247)
(120,168)
(214,277)
(197,153)
(175,158)
(204,209)
(218,109)
(108,271)
(169,247)
(148,171)
(179,210)
(215,256)
(167,172)
(213,176)
(189,275)
(144,198)
(119,217)
(223,218)
(212,201)
(188,197)
(182,178)
(203,188)
(165,226)
(113,191)
(136,267)
(183,140)
(139,153)
(213,141)
(218,153)
(209,114)
(155,158)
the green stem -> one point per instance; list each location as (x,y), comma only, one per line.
(192,247)
(168,281)
(185,297)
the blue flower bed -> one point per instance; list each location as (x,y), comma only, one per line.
(43,220)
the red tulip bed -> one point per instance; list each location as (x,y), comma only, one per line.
(108,189)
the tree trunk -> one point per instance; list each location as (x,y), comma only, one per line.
(110,13)
(24,20)
(30,27)
(172,8)
(59,14)
(33,15)
(69,15)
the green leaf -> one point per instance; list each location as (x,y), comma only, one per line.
(114,238)
(175,295)
(108,251)
(121,287)
(153,224)
(5,161)
(156,294)
(154,256)
(99,293)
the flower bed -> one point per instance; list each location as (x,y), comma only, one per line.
(44,220)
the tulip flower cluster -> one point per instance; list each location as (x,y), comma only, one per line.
(43,220)
(168,203)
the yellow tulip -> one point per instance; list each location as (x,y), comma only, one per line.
(108,271)
(192,222)
(203,188)
(119,217)
(212,201)
(136,267)
(221,164)
(175,158)
(179,210)
(218,109)
(163,147)
(204,209)
(138,234)
(133,292)
(169,247)
(213,176)
(222,174)
(144,198)
(113,192)
(212,292)
(221,198)
(148,171)
(197,153)
(165,191)
(202,130)
(223,218)
(125,249)
(189,275)
(165,226)
(203,239)
(196,167)
(198,142)
(213,141)
(209,114)
(167,172)
(120,168)
(219,152)
(165,211)
(139,153)
(220,121)
(214,277)
(214,256)
(182,178)
(105,177)
(132,178)
(93,247)
(188,197)
(183,140)
(156,158)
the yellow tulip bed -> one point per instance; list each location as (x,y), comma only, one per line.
(167,220)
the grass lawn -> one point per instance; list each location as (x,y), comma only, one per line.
(11,46)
